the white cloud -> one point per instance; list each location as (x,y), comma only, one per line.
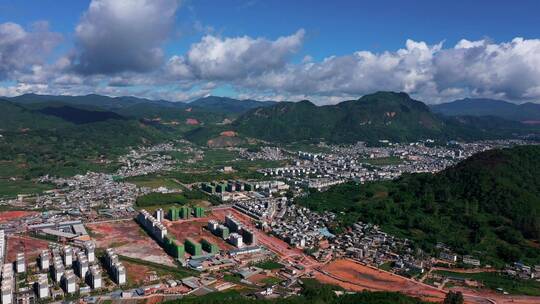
(357,74)
(118,51)
(123,35)
(215,58)
(509,70)
(21,50)
(23,88)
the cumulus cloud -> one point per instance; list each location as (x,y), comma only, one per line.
(362,71)
(509,70)
(123,35)
(215,58)
(22,50)
(118,51)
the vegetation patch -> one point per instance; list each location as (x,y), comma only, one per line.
(494,280)
(488,204)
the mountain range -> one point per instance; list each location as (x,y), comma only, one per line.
(209,103)
(229,105)
(382,115)
(527,112)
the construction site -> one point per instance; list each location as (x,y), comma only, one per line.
(128,239)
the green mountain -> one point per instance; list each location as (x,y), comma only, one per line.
(487,205)
(382,115)
(79,116)
(489,107)
(207,110)
(64,140)
(228,105)
(95,100)
(16,117)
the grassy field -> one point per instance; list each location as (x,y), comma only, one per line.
(218,156)
(243,169)
(268,265)
(154,181)
(271,281)
(179,156)
(11,169)
(178,272)
(155,200)
(494,280)
(10,188)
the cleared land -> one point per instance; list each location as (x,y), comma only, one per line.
(136,273)
(128,239)
(354,276)
(194,228)
(6,216)
(493,280)
(30,246)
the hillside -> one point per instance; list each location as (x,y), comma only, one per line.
(228,105)
(66,140)
(79,116)
(382,115)
(96,100)
(488,204)
(17,117)
(207,110)
(489,107)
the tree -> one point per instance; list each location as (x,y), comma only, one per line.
(454,298)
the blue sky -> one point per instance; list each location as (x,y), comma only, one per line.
(318,30)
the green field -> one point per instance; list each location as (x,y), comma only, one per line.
(178,272)
(154,181)
(210,171)
(218,156)
(11,169)
(312,292)
(155,199)
(179,156)
(494,280)
(269,281)
(269,265)
(10,188)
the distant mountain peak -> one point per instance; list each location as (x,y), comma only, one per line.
(228,105)
(489,107)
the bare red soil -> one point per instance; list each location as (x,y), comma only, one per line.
(31,247)
(192,121)
(6,216)
(128,239)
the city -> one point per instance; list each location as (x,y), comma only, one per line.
(254,236)
(273,152)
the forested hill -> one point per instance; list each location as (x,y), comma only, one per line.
(228,105)
(67,140)
(488,204)
(382,115)
(490,107)
(376,116)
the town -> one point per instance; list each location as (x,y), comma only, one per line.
(94,241)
